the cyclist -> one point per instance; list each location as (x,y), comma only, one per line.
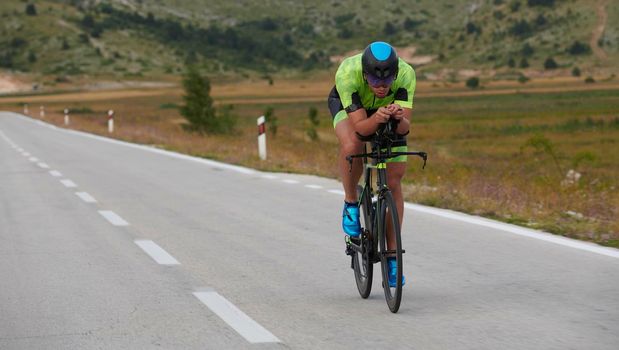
(371,89)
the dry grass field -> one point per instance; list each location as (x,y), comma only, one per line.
(503,151)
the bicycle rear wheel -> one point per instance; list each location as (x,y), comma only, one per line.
(388,213)
(362,264)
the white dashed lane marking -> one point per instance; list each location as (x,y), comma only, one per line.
(314,187)
(55,173)
(43,165)
(156,252)
(86,197)
(113,218)
(68,183)
(291,181)
(235,318)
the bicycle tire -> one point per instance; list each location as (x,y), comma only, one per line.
(388,212)
(362,264)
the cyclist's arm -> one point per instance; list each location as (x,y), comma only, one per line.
(402,114)
(365,126)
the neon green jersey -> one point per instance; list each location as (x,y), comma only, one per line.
(349,81)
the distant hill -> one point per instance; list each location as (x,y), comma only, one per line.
(444,39)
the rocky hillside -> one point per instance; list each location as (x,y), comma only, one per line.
(443,38)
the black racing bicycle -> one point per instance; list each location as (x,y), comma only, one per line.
(378,213)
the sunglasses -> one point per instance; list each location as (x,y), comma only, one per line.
(377,82)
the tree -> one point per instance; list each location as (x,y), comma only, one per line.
(472,82)
(271,120)
(524,63)
(550,63)
(198,108)
(578,48)
(527,50)
(31,10)
(576,72)
(313,123)
(511,63)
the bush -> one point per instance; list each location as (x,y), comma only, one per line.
(576,72)
(589,80)
(550,63)
(523,79)
(31,10)
(271,120)
(471,28)
(578,48)
(527,50)
(547,3)
(313,123)
(511,63)
(524,63)
(472,82)
(521,29)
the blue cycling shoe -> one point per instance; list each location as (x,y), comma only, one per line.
(393,271)
(350,219)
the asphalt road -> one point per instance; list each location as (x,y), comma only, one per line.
(108,245)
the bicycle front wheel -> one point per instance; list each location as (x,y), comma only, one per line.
(388,217)
(362,264)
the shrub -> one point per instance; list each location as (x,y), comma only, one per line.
(271,120)
(31,10)
(589,80)
(471,28)
(578,48)
(524,63)
(550,63)
(523,79)
(527,50)
(547,3)
(313,123)
(511,63)
(576,72)
(472,82)
(521,29)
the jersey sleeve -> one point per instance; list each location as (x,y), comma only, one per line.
(408,83)
(346,86)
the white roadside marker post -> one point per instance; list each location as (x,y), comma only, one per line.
(25,108)
(66,116)
(42,113)
(110,121)
(262,138)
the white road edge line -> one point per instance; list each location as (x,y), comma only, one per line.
(86,197)
(55,173)
(68,183)
(113,218)
(209,162)
(235,318)
(156,252)
(521,231)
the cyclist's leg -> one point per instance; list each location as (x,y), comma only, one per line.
(395,173)
(349,144)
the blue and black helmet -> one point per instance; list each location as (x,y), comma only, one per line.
(380,61)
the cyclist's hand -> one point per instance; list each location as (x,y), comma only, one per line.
(396,111)
(382,115)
